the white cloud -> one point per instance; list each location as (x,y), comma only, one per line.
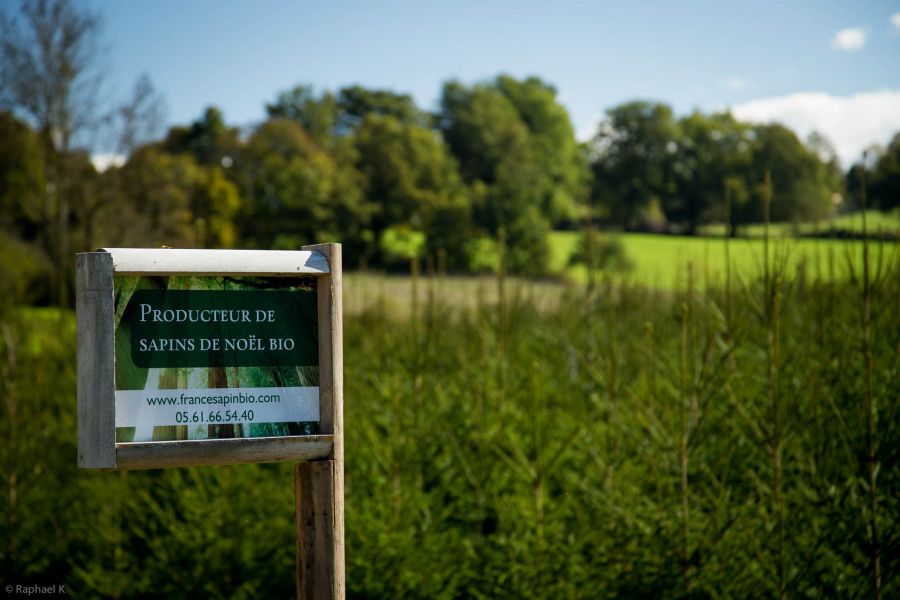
(852,123)
(895,21)
(849,39)
(735,83)
(102,162)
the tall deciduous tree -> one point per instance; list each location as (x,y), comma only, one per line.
(563,170)
(139,119)
(296,192)
(410,174)
(633,157)
(885,184)
(170,199)
(22,179)
(317,115)
(801,183)
(50,73)
(356,102)
(713,151)
(208,139)
(491,142)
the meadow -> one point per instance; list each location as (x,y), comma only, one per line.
(534,440)
(661,261)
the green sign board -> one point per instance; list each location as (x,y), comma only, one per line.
(222,328)
(215,357)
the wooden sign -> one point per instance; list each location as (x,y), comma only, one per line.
(211,357)
(201,357)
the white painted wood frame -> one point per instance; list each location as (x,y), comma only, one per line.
(96,357)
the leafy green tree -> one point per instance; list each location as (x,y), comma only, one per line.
(317,115)
(23,191)
(139,119)
(713,151)
(860,172)
(208,139)
(481,125)
(411,176)
(356,102)
(169,199)
(885,178)
(552,139)
(489,139)
(22,178)
(326,115)
(633,160)
(25,269)
(86,201)
(215,203)
(802,184)
(296,192)
(50,69)
(158,185)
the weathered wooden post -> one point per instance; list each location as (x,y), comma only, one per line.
(211,357)
(319,485)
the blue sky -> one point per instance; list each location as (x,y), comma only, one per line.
(759,58)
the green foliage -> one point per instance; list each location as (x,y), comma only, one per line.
(601,252)
(295,186)
(37,381)
(400,244)
(347,166)
(517,151)
(410,174)
(318,116)
(527,243)
(885,178)
(543,446)
(22,180)
(209,140)
(800,182)
(24,272)
(558,158)
(633,157)
(356,103)
(511,451)
(482,255)
(178,202)
(714,152)
(643,157)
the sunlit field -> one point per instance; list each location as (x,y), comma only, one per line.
(661,261)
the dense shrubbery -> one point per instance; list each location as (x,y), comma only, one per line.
(628,443)
(601,252)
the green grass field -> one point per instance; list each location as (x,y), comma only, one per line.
(877,222)
(661,261)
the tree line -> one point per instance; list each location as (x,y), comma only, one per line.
(488,173)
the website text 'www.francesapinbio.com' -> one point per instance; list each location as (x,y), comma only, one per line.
(216,406)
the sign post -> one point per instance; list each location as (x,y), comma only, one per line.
(211,357)
(319,485)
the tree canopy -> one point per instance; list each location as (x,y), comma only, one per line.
(489,173)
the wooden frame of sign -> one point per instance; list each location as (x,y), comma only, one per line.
(95,271)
